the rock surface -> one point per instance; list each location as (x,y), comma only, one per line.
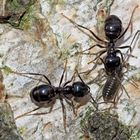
(44,44)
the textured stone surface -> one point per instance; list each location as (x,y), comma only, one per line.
(103,125)
(8,129)
(48,39)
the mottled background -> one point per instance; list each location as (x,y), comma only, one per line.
(42,42)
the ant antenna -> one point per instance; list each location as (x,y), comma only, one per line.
(128,23)
(25,75)
(80,26)
(62,76)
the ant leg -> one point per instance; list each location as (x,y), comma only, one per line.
(98,45)
(136,35)
(95,63)
(118,51)
(99,78)
(123,47)
(122,86)
(129,46)
(80,77)
(116,98)
(24,74)
(90,70)
(80,26)
(83,52)
(99,97)
(128,24)
(94,102)
(92,33)
(69,80)
(89,53)
(132,81)
(27,113)
(42,113)
(64,113)
(100,54)
(62,76)
(70,102)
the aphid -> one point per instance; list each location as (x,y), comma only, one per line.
(113,64)
(45,95)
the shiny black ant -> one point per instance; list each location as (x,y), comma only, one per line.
(45,95)
(113,64)
(113,32)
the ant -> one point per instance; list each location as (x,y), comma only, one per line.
(45,95)
(113,64)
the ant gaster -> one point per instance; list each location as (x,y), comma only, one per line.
(113,64)
(45,95)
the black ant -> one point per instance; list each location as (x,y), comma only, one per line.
(113,64)
(113,32)
(45,95)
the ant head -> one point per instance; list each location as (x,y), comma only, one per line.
(80,89)
(113,27)
(112,61)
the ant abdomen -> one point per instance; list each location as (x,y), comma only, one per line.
(111,88)
(42,95)
(113,27)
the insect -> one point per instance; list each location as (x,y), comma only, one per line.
(45,95)
(114,61)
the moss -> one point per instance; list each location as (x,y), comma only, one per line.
(21,130)
(102,125)
(16,11)
(68,52)
(7,124)
(18,5)
(135,135)
(54,2)
(7,70)
(27,18)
